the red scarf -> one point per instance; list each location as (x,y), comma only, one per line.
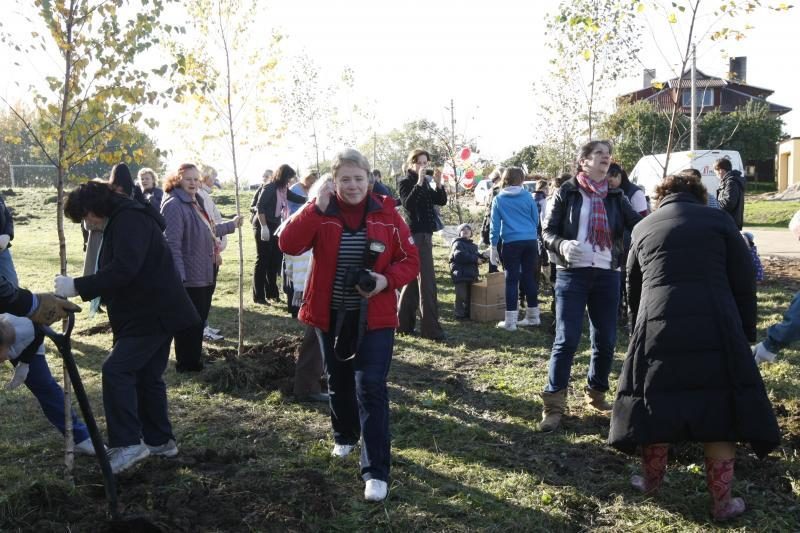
(599,234)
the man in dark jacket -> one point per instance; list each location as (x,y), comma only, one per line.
(419,196)
(730,194)
(146,302)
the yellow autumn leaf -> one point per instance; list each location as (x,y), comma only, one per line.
(640,8)
(587,55)
(672,19)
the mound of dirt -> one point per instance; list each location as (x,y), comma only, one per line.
(267,366)
(783,271)
(105,327)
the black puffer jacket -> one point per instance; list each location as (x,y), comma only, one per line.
(564,216)
(689,374)
(464,257)
(730,196)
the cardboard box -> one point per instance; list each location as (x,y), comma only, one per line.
(488,298)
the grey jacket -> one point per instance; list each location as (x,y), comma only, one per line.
(189,240)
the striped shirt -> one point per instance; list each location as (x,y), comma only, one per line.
(351,255)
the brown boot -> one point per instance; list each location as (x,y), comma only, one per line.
(555,404)
(596,400)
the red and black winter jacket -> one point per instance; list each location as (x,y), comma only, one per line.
(310,229)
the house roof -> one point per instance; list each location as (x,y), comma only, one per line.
(733,93)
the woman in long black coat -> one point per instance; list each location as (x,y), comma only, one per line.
(689,374)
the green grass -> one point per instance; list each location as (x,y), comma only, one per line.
(466,456)
(769,213)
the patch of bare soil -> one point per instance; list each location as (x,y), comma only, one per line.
(782,271)
(105,327)
(267,366)
(200,490)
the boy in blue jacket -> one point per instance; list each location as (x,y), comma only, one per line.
(464,261)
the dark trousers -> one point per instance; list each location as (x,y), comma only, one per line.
(189,342)
(521,264)
(134,392)
(359,397)
(421,296)
(268,264)
(51,397)
(462,298)
(309,367)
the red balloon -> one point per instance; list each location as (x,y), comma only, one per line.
(467,183)
(470,174)
(465,153)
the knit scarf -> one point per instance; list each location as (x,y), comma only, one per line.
(599,234)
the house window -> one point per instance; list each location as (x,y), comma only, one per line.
(705,97)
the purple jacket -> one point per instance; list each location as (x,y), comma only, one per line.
(189,239)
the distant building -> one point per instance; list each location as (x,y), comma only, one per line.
(788,162)
(712,94)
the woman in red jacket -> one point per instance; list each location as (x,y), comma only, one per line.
(353,306)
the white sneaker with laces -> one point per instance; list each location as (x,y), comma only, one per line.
(375,490)
(124,457)
(168,449)
(342,450)
(84,447)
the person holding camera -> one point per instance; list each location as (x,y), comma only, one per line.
(420,192)
(352,304)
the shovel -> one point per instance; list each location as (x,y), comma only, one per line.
(62,342)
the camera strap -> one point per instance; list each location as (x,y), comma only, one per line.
(345,343)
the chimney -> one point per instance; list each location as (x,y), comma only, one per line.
(737,69)
(649,77)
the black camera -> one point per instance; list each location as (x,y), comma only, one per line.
(429,172)
(362,277)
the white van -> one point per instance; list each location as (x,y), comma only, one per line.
(649,171)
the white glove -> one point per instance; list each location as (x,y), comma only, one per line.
(571,251)
(19,377)
(494,255)
(297,299)
(65,287)
(763,355)
(4,240)
(265,233)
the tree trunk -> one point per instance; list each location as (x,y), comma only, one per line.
(69,455)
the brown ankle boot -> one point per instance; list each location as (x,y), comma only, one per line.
(596,400)
(654,466)
(719,478)
(555,404)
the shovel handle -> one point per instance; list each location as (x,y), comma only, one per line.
(62,341)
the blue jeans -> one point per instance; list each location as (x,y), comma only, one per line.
(51,398)
(521,263)
(359,399)
(782,334)
(577,289)
(7,269)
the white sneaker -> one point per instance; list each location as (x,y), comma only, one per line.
(375,490)
(208,333)
(215,331)
(168,449)
(84,447)
(342,450)
(124,457)
(762,355)
(531,317)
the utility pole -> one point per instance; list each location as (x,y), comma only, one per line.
(452,127)
(374,149)
(693,115)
